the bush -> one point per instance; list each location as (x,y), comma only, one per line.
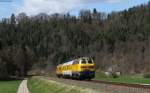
(100,74)
(146,75)
(114,75)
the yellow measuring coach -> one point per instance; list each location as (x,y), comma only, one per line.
(81,68)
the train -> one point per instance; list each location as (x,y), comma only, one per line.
(80,68)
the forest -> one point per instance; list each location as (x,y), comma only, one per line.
(118,40)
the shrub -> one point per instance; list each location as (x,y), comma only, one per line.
(146,75)
(100,74)
(114,75)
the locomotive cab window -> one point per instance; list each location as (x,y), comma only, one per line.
(83,61)
(75,62)
(90,61)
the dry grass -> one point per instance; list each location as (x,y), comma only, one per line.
(37,85)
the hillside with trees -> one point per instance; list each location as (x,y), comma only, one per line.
(119,39)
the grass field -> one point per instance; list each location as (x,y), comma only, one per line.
(9,86)
(132,79)
(41,86)
(37,85)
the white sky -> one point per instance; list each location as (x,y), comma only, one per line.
(32,7)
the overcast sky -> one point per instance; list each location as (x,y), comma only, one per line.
(33,7)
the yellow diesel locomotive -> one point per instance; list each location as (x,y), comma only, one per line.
(81,68)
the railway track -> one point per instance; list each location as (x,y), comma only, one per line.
(105,86)
(144,86)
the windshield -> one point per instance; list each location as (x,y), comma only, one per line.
(90,61)
(83,61)
(86,61)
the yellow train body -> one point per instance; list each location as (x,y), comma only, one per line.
(82,68)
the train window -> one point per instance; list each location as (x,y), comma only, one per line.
(75,62)
(83,61)
(90,61)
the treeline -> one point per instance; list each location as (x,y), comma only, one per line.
(119,41)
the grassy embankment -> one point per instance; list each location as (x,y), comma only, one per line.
(132,79)
(9,86)
(37,85)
